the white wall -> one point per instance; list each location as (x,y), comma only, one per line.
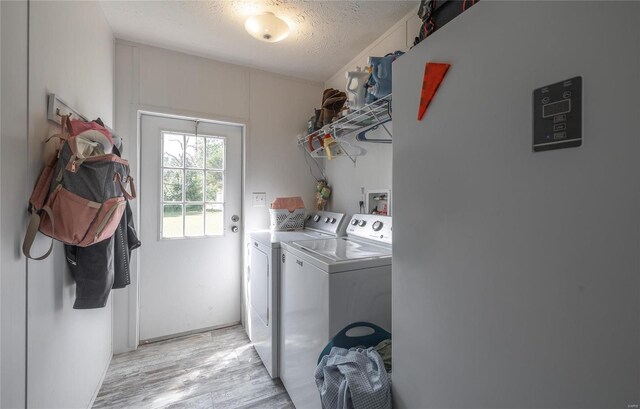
(70,53)
(516,275)
(274,108)
(15,192)
(373,170)
(0,205)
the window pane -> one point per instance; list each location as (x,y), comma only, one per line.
(173,150)
(194,221)
(215,153)
(172,220)
(172,185)
(194,155)
(214,187)
(194,186)
(214,218)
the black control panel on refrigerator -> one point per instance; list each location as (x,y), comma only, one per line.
(557,115)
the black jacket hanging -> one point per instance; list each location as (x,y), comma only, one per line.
(125,241)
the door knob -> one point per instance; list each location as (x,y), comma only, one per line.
(235,218)
(234,229)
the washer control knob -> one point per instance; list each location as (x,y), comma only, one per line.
(326,220)
(362,223)
(333,220)
(316,218)
(354,222)
(377,225)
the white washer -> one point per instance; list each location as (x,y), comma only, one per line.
(264,280)
(327,284)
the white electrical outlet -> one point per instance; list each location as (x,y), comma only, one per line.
(259,199)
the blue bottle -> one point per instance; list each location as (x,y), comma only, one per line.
(379,85)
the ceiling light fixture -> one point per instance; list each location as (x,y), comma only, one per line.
(267,27)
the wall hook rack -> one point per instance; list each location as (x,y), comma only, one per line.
(57,107)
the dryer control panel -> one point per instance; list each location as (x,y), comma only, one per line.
(371,226)
(557,115)
(326,222)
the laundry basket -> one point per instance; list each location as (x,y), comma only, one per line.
(360,370)
(283,219)
(342,340)
(287,213)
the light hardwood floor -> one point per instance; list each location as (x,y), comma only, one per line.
(216,369)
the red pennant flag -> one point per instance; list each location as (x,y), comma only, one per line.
(434,73)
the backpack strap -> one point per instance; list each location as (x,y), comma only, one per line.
(129,196)
(32,230)
(34,220)
(64,125)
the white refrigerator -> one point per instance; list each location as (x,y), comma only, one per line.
(516,274)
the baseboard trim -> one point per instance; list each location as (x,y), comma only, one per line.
(104,375)
(187,333)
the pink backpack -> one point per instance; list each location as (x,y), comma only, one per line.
(78,200)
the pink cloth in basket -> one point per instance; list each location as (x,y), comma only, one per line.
(289,203)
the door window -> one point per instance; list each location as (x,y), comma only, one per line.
(192,169)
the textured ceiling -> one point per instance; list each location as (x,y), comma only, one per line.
(325,35)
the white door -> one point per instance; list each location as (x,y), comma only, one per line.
(190,194)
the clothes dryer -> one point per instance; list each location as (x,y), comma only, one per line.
(264,280)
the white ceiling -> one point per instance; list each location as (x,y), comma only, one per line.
(325,35)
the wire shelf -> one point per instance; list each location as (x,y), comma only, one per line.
(372,115)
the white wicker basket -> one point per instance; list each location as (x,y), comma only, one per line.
(282,219)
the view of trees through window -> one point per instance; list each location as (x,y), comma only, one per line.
(192,185)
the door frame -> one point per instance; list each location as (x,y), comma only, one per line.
(133,311)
